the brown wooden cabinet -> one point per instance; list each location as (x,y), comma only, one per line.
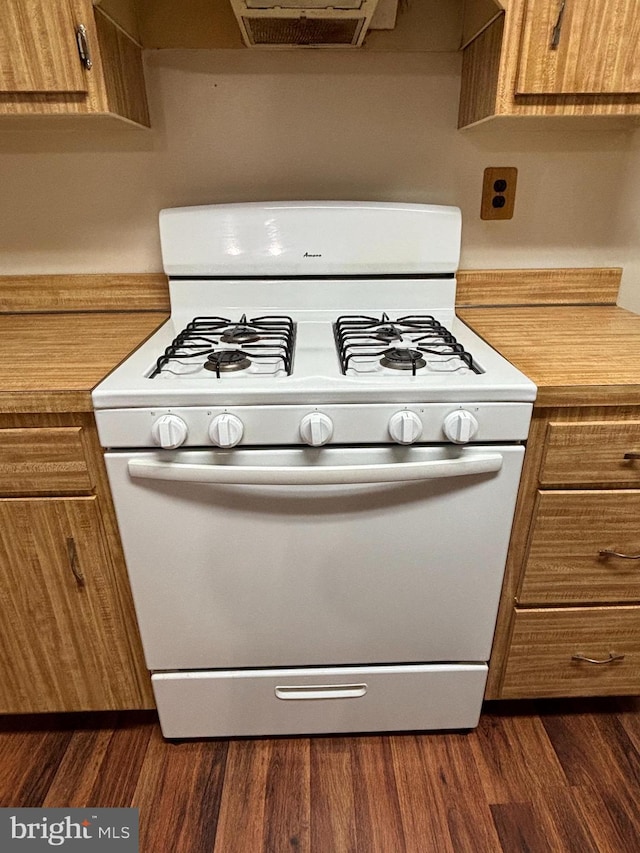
(68,636)
(586,47)
(38,51)
(63,57)
(569,623)
(549,58)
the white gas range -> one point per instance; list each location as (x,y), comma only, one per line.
(314,465)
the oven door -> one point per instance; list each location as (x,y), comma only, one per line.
(298,556)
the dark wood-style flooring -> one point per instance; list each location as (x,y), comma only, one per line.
(547,776)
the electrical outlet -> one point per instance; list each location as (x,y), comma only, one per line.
(499,192)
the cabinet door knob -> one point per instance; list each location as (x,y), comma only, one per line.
(557,30)
(82,41)
(634,454)
(609,553)
(74,564)
(612,656)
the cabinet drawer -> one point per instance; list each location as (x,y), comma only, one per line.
(543,644)
(570,529)
(592,452)
(43,460)
(307,701)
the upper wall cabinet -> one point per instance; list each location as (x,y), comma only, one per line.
(38,52)
(580,47)
(63,57)
(554,58)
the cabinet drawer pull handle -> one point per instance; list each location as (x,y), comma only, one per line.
(557,30)
(634,454)
(610,553)
(83,46)
(612,656)
(72,553)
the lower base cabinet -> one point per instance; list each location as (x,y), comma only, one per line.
(68,636)
(569,619)
(61,635)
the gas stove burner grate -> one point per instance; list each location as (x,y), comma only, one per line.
(361,339)
(265,340)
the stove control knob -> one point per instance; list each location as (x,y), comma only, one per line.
(169,432)
(460,427)
(316,429)
(226,430)
(405,427)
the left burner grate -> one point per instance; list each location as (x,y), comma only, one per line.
(205,341)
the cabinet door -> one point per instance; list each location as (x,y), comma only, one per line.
(597,47)
(38,50)
(63,644)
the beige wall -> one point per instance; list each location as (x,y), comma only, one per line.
(238,125)
(630,230)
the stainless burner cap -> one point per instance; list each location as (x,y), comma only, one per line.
(387,334)
(227,361)
(402,359)
(240,335)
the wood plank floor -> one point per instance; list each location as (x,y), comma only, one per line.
(547,776)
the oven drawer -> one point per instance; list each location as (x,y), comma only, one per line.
(592,452)
(43,460)
(571,529)
(308,701)
(545,643)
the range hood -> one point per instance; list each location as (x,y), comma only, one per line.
(306,23)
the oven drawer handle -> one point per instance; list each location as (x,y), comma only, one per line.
(322,475)
(321,691)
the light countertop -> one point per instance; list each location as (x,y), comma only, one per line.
(584,355)
(51,362)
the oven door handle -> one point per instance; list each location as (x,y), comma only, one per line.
(320,475)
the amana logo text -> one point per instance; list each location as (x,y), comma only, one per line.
(311,255)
